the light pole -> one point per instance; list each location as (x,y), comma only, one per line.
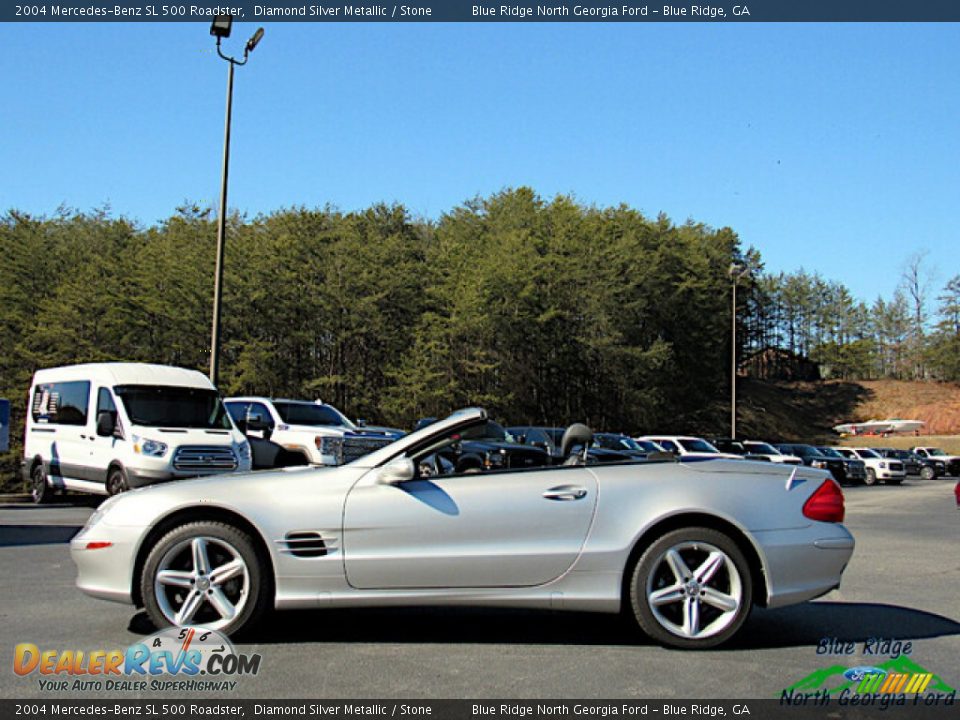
(220,28)
(736,272)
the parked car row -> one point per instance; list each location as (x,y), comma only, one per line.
(104,428)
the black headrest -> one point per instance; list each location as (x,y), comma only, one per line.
(576,434)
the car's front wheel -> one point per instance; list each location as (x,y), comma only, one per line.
(871,478)
(117,481)
(927,472)
(692,588)
(208,574)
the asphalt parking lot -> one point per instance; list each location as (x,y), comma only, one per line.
(903,584)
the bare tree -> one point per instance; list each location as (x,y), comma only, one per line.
(915,281)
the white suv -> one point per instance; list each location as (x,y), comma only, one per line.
(319,432)
(890,470)
(689,448)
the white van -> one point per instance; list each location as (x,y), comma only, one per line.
(103,428)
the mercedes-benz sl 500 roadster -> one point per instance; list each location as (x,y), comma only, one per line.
(685,549)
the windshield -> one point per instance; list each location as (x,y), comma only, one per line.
(868,453)
(617,442)
(936,452)
(295,413)
(761,448)
(829,452)
(648,446)
(555,434)
(695,445)
(173,407)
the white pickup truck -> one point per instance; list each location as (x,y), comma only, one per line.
(951,462)
(319,432)
(890,470)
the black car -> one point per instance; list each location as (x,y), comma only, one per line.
(854,467)
(927,468)
(624,444)
(548,439)
(735,447)
(815,457)
(493,449)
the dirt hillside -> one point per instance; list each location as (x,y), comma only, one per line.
(807,411)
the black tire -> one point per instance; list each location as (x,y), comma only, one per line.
(117,481)
(654,573)
(40,488)
(871,477)
(252,592)
(927,473)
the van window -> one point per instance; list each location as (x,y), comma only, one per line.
(63,403)
(105,403)
(173,407)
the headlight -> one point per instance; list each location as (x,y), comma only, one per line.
(497,459)
(818,464)
(882,464)
(329,445)
(146,446)
(101,511)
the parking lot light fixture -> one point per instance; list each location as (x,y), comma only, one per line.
(220,28)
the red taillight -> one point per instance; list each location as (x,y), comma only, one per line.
(956,491)
(98,545)
(826,503)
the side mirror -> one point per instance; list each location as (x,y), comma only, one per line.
(106,424)
(361,422)
(397,471)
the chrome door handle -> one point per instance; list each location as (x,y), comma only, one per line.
(565,492)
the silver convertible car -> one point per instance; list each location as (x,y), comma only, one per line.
(685,549)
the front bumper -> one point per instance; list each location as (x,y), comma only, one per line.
(888,474)
(106,572)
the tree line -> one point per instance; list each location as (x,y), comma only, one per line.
(913,335)
(543,311)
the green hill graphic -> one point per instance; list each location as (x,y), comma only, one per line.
(831,678)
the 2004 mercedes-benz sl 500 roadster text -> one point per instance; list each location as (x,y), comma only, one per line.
(684,548)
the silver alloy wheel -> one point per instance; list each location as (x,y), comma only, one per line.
(694,590)
(202,580)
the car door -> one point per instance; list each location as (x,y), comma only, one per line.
(61,414)
(497,529)
(103,450)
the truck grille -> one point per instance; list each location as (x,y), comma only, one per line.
(204,458)
(898,466)
(356,446)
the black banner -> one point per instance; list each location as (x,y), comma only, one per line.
(481,11)
(474,709)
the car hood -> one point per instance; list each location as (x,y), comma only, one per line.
(142,506)
(337,431)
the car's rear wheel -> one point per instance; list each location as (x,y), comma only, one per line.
(871,478)
(692,588)
(40,489)
(207,574)
(927,472)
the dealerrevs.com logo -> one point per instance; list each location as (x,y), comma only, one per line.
(177,659)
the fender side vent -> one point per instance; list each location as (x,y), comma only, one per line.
(307,544)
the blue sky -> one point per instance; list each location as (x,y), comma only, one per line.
(830,147)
